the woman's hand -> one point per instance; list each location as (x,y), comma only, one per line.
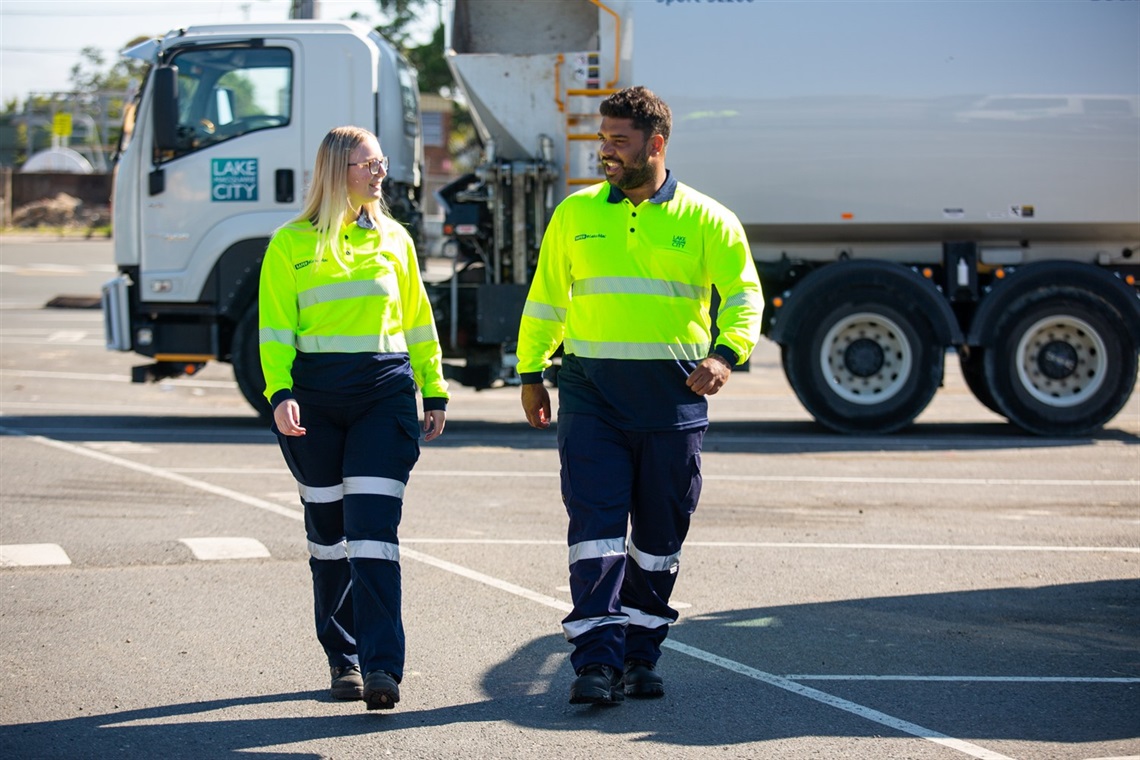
(434,420)
(287,416)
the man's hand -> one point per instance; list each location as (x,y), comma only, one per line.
(536,405)
(709,376)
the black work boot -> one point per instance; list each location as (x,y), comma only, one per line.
(381,692)
(596,685)
(347,683)
(642,681)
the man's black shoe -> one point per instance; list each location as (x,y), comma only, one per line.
(381,691)
(347,682)
(596,685)
(641,681)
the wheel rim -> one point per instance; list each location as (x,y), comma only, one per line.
(1061,361)
(866,358)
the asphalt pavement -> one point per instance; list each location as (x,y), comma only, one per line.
(957,590)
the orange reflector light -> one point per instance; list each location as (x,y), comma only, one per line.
(927,272)
(1130,279)
(1000,274)
(847,215)
(777,302)
(448,229)
(190,369)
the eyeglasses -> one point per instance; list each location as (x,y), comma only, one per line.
(374,165)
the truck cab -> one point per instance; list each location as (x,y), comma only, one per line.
(225,132)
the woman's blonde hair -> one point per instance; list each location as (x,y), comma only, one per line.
(327,200)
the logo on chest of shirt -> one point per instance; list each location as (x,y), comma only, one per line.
(302,264)
(678,241)
(585,236)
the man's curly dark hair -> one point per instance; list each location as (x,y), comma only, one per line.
(649,113)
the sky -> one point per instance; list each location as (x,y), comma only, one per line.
(40,40)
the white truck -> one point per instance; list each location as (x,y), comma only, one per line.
(913,177)
(219,149)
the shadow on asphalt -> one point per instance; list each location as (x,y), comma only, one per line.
(775,437)
(1081,630)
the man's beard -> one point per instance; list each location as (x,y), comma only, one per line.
(637,174)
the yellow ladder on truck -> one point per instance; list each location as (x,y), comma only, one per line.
(580,107)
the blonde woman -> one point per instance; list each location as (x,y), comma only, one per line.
(346,338)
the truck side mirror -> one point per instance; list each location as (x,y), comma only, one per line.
(165,84)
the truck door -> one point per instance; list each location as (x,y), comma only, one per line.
(234,171)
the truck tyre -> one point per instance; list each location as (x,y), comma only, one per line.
(972,361)
(1062,362)
(246,358)
(864,361)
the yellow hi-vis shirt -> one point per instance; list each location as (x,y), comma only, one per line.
(634,284)
(327,327)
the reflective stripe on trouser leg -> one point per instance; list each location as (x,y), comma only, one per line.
(668,465)
(381,448)
(597,475)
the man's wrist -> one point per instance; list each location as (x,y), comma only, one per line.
(725,355)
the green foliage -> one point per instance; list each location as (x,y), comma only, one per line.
(434,74)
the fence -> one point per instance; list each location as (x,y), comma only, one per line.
(20,189)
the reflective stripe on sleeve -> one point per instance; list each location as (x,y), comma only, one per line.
(271,335)
(654,563)
(576,628)
(593,286)
(373,550)
(643,619)
(321,551)
(361,484)
(605,547)
(745,298)
(602,349)
(421,334)
(544,311)
(339,291)
(320,494)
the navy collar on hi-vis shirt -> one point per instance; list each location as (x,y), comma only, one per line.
(364,221)
(664,193)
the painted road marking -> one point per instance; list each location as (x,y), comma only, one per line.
(219,548)
(33,555)
(867,713)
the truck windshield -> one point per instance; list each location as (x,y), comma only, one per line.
(227,92)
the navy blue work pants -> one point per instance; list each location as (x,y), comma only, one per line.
(351,468)
(614,480)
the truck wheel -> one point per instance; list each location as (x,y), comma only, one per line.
(861,365)
(972,361)
(1062,363)
(246,359)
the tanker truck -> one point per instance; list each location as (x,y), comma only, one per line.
(915,179)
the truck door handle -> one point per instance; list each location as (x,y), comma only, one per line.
(283,185)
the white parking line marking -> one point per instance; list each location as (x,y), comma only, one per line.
(839,703)
(33,555)
(158,472)
(806,545)
(867,713)
(67,336)
(226,548)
